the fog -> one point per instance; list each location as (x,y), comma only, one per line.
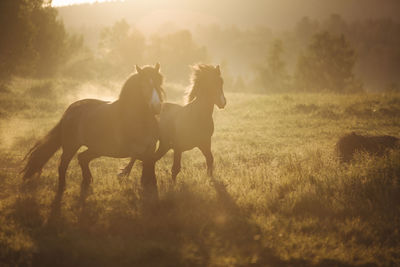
(239,34)
(278,15)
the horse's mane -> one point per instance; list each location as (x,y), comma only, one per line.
(198,73)
(131,82)
(129,91)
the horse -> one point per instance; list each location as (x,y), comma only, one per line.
(183,128)
(124,128)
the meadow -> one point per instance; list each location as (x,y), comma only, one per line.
(279,196)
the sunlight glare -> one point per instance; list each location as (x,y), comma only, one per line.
(58,3)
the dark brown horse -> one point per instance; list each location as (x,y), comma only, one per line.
(185,127)
(126,127)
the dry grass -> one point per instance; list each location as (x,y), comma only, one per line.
(279,196)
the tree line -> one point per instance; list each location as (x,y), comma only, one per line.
(369,50)
(331,55)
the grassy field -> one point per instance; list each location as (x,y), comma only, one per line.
(279,196)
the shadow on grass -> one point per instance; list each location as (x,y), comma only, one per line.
(55,211)
(185,228)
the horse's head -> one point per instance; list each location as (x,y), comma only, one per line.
(217,88)
(207,83)
(150,81)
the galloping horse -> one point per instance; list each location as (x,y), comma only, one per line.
(185,127)
(124,128)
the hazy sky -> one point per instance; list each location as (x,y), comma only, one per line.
(275,14)
(72,2)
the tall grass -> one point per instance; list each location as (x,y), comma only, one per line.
(279,196)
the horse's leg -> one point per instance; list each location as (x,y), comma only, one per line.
(66,156)
(127,170)
(206,150)
(68,153)
(84,159)
(149,181)
(161,151)
(176,167)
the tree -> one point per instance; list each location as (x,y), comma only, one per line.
(122,46)
(32,40)
(305,29)
(15,36)
(50,42)
(175,52)
(273,75)
(327,64)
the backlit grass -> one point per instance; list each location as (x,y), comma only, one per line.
(279,197)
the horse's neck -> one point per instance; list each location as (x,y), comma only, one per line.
(203,107)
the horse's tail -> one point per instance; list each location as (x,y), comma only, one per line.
(42,151)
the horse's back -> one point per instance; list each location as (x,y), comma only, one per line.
(181,126)
(74,116)
(84,105)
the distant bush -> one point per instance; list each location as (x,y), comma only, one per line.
(348,145)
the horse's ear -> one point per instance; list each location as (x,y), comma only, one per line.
(157,67)
(138,69)
(218,70)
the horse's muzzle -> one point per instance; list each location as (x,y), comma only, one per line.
(155,102)
(222,102)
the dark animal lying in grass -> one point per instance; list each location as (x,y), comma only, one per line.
(349,144)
